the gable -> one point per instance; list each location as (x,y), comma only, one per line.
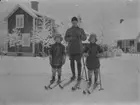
(23,8)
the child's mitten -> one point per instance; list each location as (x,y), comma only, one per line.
(85,55)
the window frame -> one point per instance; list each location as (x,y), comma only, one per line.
(20,21)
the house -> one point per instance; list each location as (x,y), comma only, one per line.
(24,24)
(127,43)
(129,35)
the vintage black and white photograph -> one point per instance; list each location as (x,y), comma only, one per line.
(69,52)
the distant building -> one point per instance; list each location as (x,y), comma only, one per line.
(127,42)
(129,35)
(28,21)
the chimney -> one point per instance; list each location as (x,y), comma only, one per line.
(34,5)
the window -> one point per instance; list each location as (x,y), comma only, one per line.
(120,43)
(19,21)
(132,43)
(26,40)
(139,40)
(127,43)
(124,42)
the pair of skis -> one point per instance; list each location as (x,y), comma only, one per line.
(66,84)
(75,87)
(90,88)
(53,85)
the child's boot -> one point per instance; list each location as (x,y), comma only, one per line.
(79,78)
(90,82)
(96,78)
(53,79)
(95,81)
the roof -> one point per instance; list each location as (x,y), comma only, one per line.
(127,37)
(27,9)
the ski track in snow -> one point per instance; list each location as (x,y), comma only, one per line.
(22,81)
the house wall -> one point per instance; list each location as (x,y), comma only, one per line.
(3,27)
(28,24)
(138,47)
(119,44)
(27,21)
(2,36)
(126,44)
(138,43)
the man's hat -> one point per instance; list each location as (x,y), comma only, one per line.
(58,36)
(92,36)
(74,19)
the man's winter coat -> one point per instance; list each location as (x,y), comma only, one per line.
(74,36)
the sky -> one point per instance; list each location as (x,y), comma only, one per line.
(96,15)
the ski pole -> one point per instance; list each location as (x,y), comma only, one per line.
(85,70)
(1,53)
(101,88)
(82,69)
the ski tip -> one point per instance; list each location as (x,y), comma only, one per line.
(84,92)
(46,88)
(89,92)
(61,87)
(73,89)
(101,89)
(51,88)
(78,88)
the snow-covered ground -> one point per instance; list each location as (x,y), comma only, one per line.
(22,81)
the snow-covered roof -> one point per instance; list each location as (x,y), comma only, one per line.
(130,35)
(41,14)
(27,9)
(123,37)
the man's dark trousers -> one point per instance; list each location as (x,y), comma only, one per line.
(77,58)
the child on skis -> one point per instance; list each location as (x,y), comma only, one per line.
(93,52)
(57,57)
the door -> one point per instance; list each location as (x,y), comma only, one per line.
(138,47)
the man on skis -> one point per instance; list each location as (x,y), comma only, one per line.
(74,36)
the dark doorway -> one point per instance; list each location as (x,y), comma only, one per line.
(138,47)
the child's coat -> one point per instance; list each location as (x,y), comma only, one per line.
(57,52)
(92,61)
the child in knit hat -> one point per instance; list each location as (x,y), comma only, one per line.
(57,57)
(93,52)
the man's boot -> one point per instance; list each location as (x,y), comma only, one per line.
(73,78)
(90,82)
(59,79)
